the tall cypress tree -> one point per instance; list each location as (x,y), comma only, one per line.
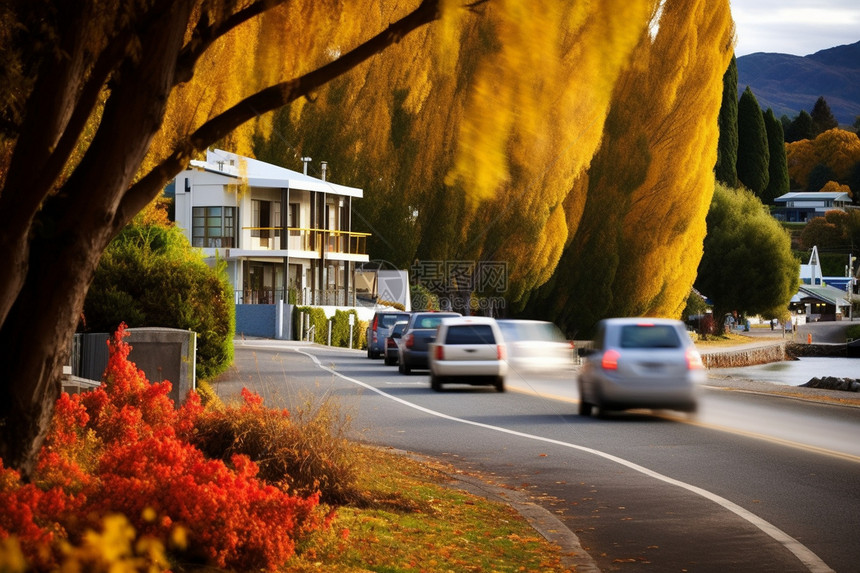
(801,127)
(753,152)
(822,117)
(727,149)
(777,183)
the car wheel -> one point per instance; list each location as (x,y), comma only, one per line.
(388,361)
(369,355)
(500,384)
(584,408)
(403,368)
(435,383)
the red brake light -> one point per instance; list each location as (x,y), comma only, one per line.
(500,351)
(409,340)
(694,359)
(610,360)
(440,352)
(375,322)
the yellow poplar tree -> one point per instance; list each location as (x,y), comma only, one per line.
(650,184)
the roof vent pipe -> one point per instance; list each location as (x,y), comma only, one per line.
(324,165)
(305,160)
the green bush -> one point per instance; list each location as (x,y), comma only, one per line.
(318,322)
(339,326)
(852,332)
(151,276)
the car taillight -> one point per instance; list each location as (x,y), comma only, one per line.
(409,341)
(375,323)
(694,359)
(500,351)
(610,360)
(440,353)
(389,342)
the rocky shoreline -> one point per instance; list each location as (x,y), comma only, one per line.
(834,383)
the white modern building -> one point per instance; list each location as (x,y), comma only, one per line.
(284,235)
(803,206)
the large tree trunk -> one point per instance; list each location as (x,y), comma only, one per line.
(58,253)
(52,239)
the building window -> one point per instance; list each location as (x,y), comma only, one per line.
(214,227)
(266,219)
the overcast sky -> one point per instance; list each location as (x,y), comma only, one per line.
(793,26)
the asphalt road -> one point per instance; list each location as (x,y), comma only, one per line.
(641,491)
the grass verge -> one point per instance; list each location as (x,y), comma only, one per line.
(411,519)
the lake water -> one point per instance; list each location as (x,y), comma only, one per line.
(796,372)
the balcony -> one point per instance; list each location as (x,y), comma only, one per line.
(309,240)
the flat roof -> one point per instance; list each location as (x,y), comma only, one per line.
(260,174)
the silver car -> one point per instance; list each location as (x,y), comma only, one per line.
(640,363)
(468,350)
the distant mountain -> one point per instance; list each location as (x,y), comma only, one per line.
(789,83)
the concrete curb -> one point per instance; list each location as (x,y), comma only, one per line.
(542,520)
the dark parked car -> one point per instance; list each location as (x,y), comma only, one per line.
(640,363)
(379,329)
(391,343)
(419,333)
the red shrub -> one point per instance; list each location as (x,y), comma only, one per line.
(123,448)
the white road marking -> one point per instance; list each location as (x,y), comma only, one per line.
(803,553)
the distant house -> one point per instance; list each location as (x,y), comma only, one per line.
(800,207)
(284,235)
(821,298)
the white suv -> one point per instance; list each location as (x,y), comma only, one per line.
(468,350)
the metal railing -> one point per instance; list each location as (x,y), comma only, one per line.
(316,297)
(310,239)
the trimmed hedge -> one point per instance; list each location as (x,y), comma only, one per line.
(339,327)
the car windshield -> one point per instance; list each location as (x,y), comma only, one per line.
(470,334)
(388,320)
(428,321)
(649,336)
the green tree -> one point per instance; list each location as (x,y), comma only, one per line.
(727,148)
(800,128)
(753,152)
(151,276)
(822,117)
(747,265)
(820,175)
(778,181)
(853,181)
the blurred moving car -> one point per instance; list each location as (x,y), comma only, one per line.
(391,343)
(640,363)
(379,329)
(417,335)
(536,346)
(468,350)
